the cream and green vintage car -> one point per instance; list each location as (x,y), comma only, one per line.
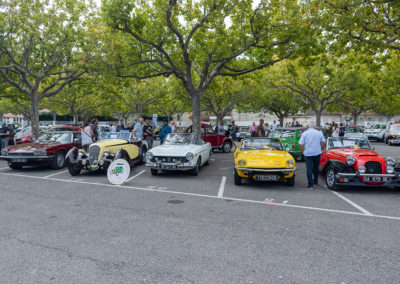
(110,147)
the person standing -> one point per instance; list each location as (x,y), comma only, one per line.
(312,143)
(95,129)
(4,135)
(221,129)
(173,126)
(233,130)
(253,130)
(113,128)
(165,130)
(87,135)
(138,130)
(261,129)
(148,134)
(274,125)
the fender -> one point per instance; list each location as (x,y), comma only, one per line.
(229,140)
(72,157)
(122,154)
(338,166)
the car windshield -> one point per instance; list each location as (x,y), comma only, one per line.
(395,127)
(283,133)
(56,137)
(244,128)
(339,142)
(261,144)
(183,138)
(126,135)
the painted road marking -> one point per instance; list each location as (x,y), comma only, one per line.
(131,178)
(285,202)
(216,197)
(222,187)
(366,212)
(269,200)
(4,168)
(52,175)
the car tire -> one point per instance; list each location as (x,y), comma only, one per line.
(154,172)
(386,140)
(208,161)
(291,181)
(142,159)
(227,147)
(58,161)
(195,171)
(15,166)
(330,178)
(237,178)
(74,170)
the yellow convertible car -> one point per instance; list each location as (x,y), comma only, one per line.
(263,159)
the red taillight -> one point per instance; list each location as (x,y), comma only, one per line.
(293,145)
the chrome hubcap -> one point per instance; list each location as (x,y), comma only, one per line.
(330,177)
(227,147)
(60,160)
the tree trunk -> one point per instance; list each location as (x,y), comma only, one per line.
(34,116)
(196,112)
(355,117)
(318,118)
(281,119)
(76,118)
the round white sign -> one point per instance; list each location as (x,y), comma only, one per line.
(118,172)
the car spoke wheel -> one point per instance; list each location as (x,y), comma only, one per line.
(330,179)
(59,161)
(227,147)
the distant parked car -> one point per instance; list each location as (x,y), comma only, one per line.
(394,131)
(355,132)
(217,141)
(376,132)
(243,132)
(25,134)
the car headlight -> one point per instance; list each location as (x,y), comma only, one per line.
(290,163)
(4,152)
(39,152)
(390,161)
(81,152)
(149,155)
(390,169)
(362,169)
(107,152)
(242,162)
(351,160)
(189,156)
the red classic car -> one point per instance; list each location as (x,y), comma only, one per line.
(218,142)
(50,148)
(353,162)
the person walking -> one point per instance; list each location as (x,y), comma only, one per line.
(312,143)
(165,130)
(253,130)
(148,134)
(4,135)
(87,135)
(261,129)
(95,129)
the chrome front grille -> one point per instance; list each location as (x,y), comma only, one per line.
(94,155)
(169,159)
(21,154)
(373,167)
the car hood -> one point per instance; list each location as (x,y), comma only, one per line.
(111,142)
(265,158)
(30,147)
(345,152)
(173,150)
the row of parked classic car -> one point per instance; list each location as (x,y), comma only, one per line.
(346,160)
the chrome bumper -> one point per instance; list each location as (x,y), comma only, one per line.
(267,170)
(365,175)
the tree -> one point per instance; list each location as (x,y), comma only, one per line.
(42,48)
(318,85)
(198,41)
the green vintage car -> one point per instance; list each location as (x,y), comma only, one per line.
(290,137)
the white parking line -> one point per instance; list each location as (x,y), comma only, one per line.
(366,212)
(4,168)
(131,178)
(222,187)
(52,175)
(216,197)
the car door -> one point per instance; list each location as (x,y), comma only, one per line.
(210,136)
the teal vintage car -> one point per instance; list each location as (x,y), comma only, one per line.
(290,137)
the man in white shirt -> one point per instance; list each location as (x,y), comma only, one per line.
(221,129)
(138,130)
(274,125)
(312,143)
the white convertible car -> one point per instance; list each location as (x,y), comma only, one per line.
(180,151)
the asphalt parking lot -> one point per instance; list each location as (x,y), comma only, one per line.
(176,228)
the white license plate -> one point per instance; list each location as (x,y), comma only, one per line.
(18,160)
(168,166)
(266,178)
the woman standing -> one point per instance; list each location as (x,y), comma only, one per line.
(233,130)
(87,135)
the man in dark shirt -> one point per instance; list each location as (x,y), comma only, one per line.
(261,129)
(95,128)
(148,134)
(4,135)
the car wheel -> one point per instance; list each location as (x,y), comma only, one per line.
(58,161)
(143,157)
(15,166)
(291,181)
(208,160)
(330,178)
(227,147)
(74,170)
(195,171)
(386,140)
(237,178)
(154,172)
